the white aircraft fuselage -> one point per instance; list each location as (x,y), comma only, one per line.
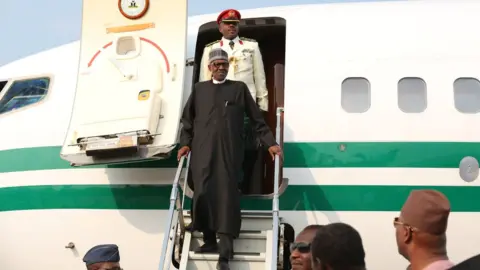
(380,98)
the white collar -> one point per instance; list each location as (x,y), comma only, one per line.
(218,82)
(235,40)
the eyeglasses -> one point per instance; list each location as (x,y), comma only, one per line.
(302,247)
(396,221)
(221,64)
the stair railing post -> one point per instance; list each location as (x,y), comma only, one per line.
(171,209)
(275,201)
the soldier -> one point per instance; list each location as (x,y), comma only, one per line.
(103,257)
(246,65)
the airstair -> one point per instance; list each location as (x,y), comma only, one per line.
(259,246)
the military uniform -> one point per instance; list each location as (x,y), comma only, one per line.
(246,65)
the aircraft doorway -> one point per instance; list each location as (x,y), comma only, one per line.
(270,33)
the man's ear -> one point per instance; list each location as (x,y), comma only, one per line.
(210,67)
(407,235)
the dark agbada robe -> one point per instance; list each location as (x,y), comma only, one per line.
(213,120)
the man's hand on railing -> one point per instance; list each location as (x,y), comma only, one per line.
(275,150)
(183,152)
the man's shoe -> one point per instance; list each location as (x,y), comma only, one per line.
(189,228)
(207,248)
(223,266)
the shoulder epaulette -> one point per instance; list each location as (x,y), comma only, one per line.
(248,39)
(211,43)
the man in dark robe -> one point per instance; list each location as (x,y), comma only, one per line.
(213,130)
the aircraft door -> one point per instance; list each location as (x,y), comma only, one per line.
(190,69)
(129,88)
(277,100)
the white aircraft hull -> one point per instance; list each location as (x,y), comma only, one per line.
(356,168)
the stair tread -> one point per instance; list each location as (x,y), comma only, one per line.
(252,215)
(254,224)
(233,265)
(244,256)
(243,235)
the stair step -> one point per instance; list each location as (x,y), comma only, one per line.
(234,265)
(249,224)
(238,256)
(253,242)
(243,235)
(246,214)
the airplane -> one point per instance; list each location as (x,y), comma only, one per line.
(379,98)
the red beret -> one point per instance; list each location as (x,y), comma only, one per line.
(229,15)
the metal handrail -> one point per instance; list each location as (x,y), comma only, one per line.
(275,202)
(171,209)
(185,184)
(181,203)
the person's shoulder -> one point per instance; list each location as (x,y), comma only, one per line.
(249,43)
(238,83)
(248,40)
(201,84)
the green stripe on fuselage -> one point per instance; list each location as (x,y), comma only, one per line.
(297,155)
(295,198)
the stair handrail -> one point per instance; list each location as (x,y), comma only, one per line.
(275,201)
(185,184)
(171,210)
(181,202)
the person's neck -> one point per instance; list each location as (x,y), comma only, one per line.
(215,81)
(422,258)
(233,38)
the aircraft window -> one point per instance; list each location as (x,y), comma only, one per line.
(412,95)
(23,93)
(356,95)
(466,93)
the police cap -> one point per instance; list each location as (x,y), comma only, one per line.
(102,253)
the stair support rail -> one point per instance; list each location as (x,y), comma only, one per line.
(275,201)
(181,202)
(171,210)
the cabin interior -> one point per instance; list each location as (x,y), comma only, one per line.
(270,33)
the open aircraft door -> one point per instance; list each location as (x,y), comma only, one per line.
(129,89)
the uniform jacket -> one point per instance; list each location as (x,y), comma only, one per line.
(246,65)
